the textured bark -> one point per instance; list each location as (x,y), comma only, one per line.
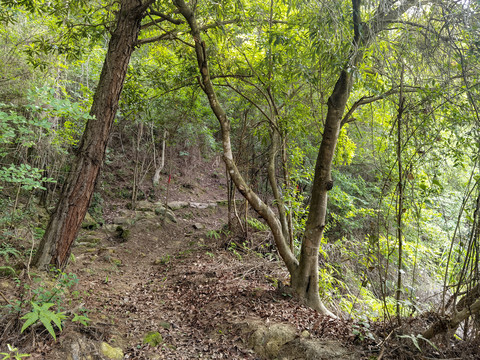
(450,325)
(78,189)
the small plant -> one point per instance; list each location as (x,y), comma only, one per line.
(362,330)
(82,319)
(415,339)
(55,294)
(213,234)
(7,250)
(257,224)
(12,353)
(38,299)
(233,248)
(45,316)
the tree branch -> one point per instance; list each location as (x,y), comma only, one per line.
(369,99)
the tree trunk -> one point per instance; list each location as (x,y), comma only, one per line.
(78,189)
(305,277)
(158,170)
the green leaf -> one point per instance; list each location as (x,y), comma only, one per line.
(48,326)
(31,317)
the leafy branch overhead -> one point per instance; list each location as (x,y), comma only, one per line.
(348,132)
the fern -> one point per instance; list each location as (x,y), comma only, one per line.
(45,316)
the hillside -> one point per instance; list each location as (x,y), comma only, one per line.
(175,284)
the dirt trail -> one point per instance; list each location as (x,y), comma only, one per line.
(177,277)
(174,279)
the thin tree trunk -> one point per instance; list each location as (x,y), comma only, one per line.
(400,199)
(136,176)
(263,209)
(78,189)
(158,170)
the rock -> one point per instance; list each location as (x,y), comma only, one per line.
(145,205)
(88,241)
(165,325)
(175,205)
(116,261)
(122,220)
(89,222)
(198,226)
(306,349)
(110,227)
(267,341)
(166,213)
(6,285)
(153,338)
(162,261)
(143,215)
(110,352)
(75,346)
(198,205)
(159,204)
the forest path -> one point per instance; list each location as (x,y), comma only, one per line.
(180,281)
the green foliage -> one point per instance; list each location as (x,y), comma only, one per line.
(43,295)
(7,250)
(82,319)
(257,224)
(417,340)
(45,316)
(96,208)
(213,234)
(25,176)
(350,202)
(153,338)
(12,354)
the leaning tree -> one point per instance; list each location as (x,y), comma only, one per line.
(79,186)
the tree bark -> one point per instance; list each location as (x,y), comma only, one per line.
(305,277)
(79,186)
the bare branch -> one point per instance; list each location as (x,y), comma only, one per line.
(369,99)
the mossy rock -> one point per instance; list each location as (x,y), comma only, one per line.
(110,352)
(122,233)
(89,222)
(88,241)
(145,206)
(166,213)
(165,325)
(153,338)
(116,261)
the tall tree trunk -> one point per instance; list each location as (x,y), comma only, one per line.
(305,277)
(78,189)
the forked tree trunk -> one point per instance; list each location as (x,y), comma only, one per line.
(78,189)
(304,273)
